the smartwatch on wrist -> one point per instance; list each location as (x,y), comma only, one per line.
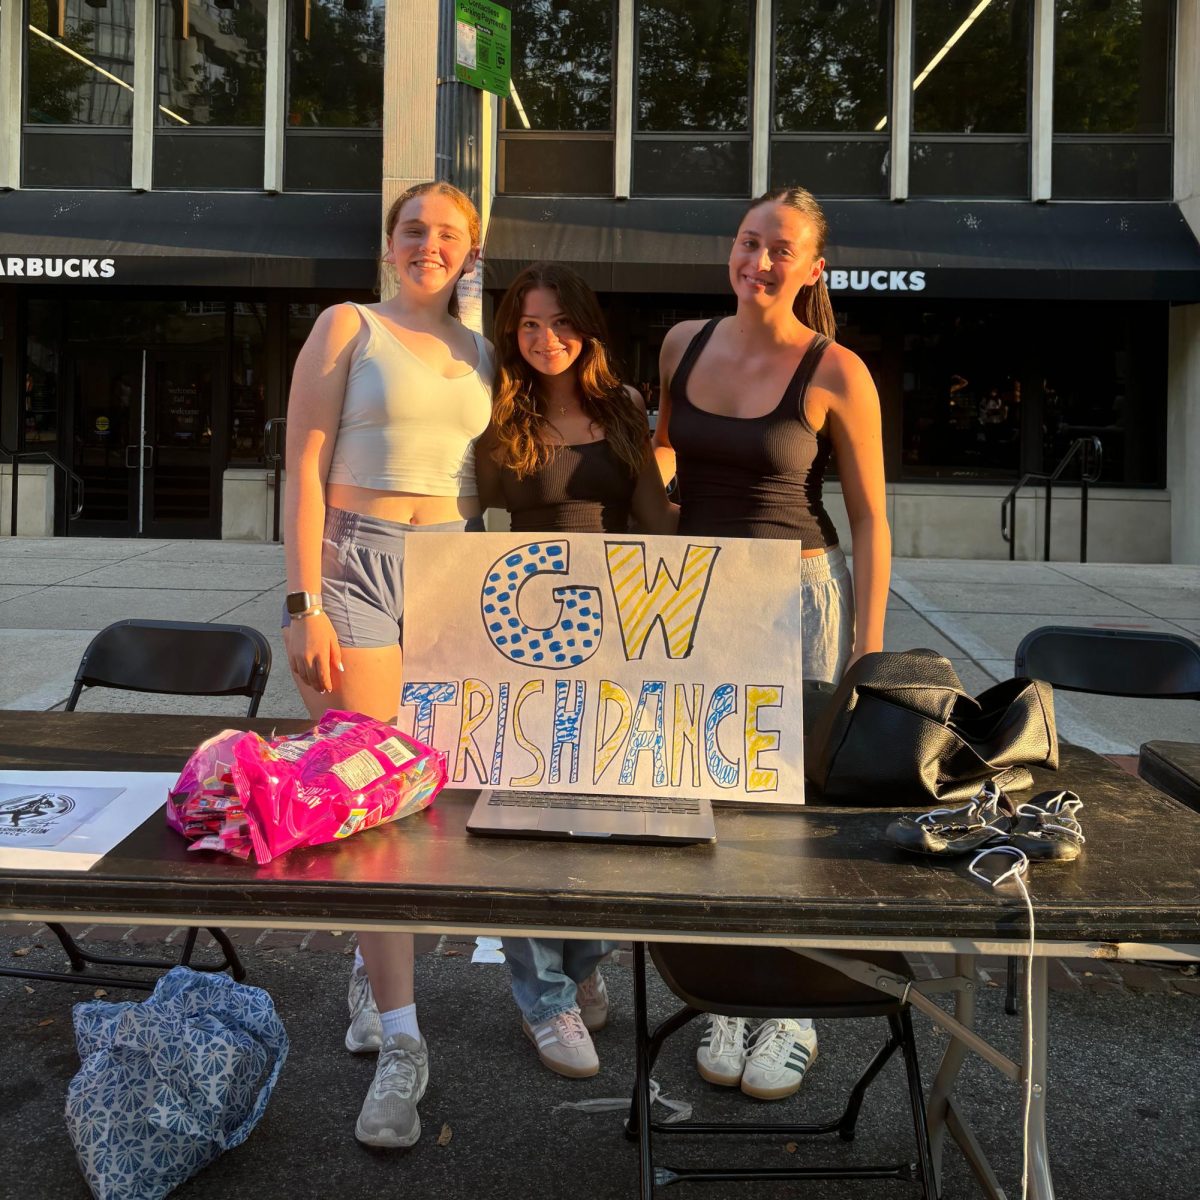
(301,604)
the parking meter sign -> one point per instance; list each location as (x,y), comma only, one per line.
(483,45)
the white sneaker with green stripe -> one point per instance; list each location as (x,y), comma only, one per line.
(781,1051)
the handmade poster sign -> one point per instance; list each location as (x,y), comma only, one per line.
(605,663)
(68,820)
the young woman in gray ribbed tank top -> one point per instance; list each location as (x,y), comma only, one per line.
(568,450)
(749,434)
(387,401)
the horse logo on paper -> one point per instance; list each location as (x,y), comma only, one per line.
(606,663)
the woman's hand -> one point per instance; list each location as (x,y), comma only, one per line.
(314,653)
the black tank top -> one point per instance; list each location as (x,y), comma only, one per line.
(582,489)
(757,477)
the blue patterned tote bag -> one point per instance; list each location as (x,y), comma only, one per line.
(169,1083)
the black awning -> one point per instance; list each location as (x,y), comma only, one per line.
(219,239)
(967,249)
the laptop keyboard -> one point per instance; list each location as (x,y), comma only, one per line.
(646,804)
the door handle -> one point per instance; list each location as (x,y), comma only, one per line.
(148,459)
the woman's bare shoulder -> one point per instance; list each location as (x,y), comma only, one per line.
(841,371)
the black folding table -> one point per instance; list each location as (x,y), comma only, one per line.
(816,879)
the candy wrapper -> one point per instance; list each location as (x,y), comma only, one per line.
(248,795)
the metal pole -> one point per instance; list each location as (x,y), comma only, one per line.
(1083,514)
(12,508)
(142,451)
(1046,534)
(278,490)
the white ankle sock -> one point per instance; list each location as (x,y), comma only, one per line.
(401,1020)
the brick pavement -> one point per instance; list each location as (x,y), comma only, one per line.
(17,938)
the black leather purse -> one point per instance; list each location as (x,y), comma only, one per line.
(900,730)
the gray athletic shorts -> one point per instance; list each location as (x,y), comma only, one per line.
(826,615)
(362,575)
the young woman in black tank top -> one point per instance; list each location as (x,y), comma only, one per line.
(568,450)
(752,408)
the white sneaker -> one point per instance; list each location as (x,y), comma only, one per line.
(592,998)
(389,1113)
(780,1052)
(721,1055)
(365,1034)
(564,1045)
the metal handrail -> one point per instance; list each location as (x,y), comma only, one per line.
(1089,450)
(15,456)
(273,453)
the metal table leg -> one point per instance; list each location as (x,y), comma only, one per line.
(1041,1185)
(641,1077)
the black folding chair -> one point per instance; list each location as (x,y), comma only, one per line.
(753,981)
(1107,662)
(179,658)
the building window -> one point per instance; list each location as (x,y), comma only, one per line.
(990,391)
(970,103)
(78,94)
(212,60)
(248,383)
(692,108)
(1112,99)
(557,123)
(334,140)
(832,96)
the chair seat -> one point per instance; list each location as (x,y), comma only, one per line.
(767,981)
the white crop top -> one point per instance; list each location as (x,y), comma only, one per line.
(404,427)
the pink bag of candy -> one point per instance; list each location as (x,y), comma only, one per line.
(244,794)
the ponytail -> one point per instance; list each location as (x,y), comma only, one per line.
(814,309)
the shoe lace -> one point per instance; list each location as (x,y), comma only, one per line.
(728,1035)
(396,1072)
(771,1042)
(570,1029)
(1056,815)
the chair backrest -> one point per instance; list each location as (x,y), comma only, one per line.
(1112,662)
(180,658)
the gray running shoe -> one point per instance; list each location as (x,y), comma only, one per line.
(365,1034)
(389,1113)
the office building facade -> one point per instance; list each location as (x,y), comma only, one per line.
(1012,186)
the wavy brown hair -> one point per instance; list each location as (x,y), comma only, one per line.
(813,306)
(440,188)
(517,420)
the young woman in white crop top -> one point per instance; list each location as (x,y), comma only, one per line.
(387,401)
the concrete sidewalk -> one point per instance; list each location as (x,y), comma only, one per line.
(55,593)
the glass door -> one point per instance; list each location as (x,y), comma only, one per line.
(143,438)
(182,481)
(105,436)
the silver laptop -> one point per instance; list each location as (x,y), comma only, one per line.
(678,819)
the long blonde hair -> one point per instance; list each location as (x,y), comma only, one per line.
(461,201)
(813,306)
(519,424)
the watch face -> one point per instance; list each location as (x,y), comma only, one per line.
(297,602)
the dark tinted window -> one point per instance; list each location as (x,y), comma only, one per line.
(693,67)
(79,63)
(970,66)
(335,64)
(248,382)
(212,62)
(1112,66)
(562,65)
(40,378)
(832,65)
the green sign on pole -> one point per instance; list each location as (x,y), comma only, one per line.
(483,46)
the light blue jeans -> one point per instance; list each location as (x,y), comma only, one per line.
(546,972)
